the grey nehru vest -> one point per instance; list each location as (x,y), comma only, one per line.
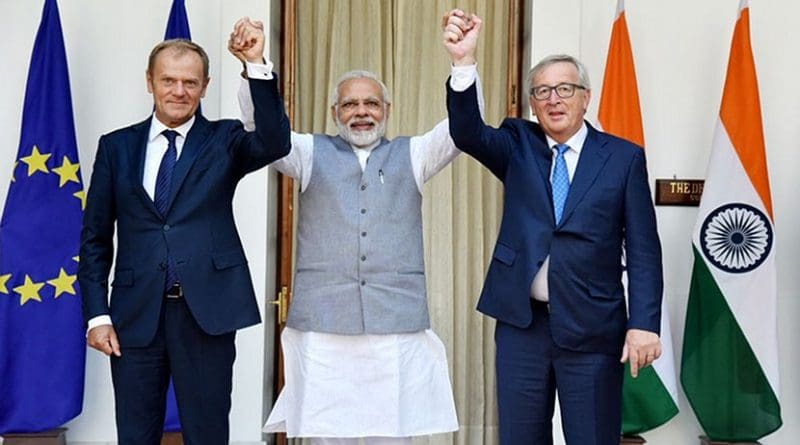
(360,266)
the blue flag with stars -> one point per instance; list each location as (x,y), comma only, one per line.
(42,335)
(177,28)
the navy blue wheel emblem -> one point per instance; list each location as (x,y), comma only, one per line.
(736,238)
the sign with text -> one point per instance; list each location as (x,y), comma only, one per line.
(679,192)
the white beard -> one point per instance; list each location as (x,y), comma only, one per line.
(363,138)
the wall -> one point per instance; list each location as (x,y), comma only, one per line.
(107,44)
(681,51)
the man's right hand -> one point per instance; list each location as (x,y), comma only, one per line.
(104,339)
(460,36)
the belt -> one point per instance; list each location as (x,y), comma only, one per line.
(174,292)
(539,305)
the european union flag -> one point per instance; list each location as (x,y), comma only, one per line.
(42,336)
(177,28)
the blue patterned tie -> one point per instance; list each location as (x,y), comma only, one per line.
(560,182)
(163,185)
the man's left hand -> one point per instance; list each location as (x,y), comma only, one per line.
(642,348)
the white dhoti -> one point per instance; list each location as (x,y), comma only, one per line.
(363,385)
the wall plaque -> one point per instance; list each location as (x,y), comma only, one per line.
(679,192)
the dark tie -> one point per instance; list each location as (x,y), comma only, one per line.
(163,185)
(560,182)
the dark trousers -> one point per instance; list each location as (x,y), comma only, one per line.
(531,368)
(201,366)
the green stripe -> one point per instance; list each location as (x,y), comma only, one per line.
(721,376)
(646,403)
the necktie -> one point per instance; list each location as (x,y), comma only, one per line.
(163,181)
(560,181)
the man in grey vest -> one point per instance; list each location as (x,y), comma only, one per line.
(361,359)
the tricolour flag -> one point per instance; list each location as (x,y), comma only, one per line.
(651,399)
(730,350)
(177,28)
(42,335)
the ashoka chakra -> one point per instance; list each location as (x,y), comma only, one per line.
(736,237)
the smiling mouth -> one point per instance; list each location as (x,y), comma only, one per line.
(362,126)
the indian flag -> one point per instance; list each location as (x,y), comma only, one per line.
(651,399)
(730,349)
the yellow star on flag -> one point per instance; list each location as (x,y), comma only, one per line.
(3,281)
(82,196)
(76,258)
(67,172)
(64,283)
(29,291)
(14,172)
(36,161)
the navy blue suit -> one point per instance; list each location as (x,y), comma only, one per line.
(199,234)
(608,206)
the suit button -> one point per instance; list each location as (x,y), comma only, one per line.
(363,234)
(162,266)
(539,263)
(363,282)
(363,186)
(363,211)
(363,258)
(166,227)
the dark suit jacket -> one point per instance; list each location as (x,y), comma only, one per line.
(198,230)
(608,203)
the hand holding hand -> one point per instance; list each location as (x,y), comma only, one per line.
(460,36)
(642,348)
(104,339)
(246,42)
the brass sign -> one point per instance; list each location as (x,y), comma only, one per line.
(679,192)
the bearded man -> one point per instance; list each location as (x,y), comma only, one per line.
(361,361)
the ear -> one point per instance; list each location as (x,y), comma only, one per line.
(149,81)
(586,98)
(333,113)
(388,112)
(205,87)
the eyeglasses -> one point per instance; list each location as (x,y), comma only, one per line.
(563,90)
(371,104)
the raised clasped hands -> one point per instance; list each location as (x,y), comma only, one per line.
(246,42)
(460,32)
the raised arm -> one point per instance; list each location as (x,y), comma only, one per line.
(271,139)
(489,146)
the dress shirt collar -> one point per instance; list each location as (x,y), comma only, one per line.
(157,127)
(575,142)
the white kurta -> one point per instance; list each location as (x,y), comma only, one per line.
(394,385)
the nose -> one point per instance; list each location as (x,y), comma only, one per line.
(361,110)
(553,98)
(179,89)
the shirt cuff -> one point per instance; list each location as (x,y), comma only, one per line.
(259,71)
(462,77)
(100,320)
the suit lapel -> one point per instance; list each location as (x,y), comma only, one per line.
(543,157)
(593,157)
(195,141)
(137,156)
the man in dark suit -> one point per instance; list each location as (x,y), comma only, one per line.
(181,284)
(574,197)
